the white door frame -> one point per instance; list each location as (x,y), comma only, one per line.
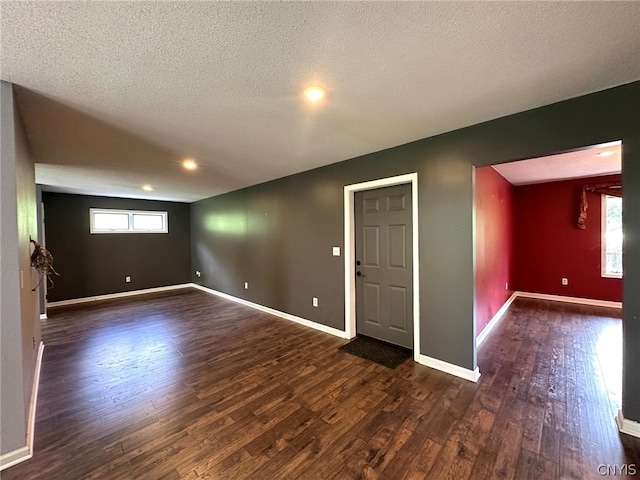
(350,252)
(45,279)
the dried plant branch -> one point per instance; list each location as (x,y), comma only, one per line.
(42,261)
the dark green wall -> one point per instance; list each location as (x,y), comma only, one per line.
(19,318)
(278,235)
(97,264)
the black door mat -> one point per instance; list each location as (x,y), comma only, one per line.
(377,351)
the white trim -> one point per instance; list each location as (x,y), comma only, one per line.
(450,368)
(31,426)
(271,311)
(117,295)
(350,248)
(16,456)
(561,298)
(611,275)
(482,336)
(25,453)
(627,426)
(43,316)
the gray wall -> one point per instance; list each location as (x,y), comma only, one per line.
(278,235)
(19,318)
(97,264)
(631,267)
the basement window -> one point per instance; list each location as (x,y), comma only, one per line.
(611,236)
(127,221)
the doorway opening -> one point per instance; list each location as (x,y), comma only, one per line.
(541,229)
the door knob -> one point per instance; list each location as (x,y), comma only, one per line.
(359,273)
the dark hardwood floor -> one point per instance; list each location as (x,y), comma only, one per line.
(186,385)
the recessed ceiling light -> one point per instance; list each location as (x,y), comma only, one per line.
(314,93)
(190,164)
(607,153)
(147,188)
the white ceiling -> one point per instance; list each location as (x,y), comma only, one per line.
(115,94)
(594,161)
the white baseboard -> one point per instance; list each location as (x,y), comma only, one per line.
(562,298)
(278,313)
(450,368)
(482,336)
(117,295)
(25,453)
(43,316)
(13,458)
(627,426)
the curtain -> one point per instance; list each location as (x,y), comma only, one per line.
(613,189)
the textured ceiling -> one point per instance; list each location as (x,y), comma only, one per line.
(588,162)
(115,94)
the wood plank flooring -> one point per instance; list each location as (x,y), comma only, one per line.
(185,385)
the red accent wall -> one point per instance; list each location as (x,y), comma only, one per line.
(549,245)
(494,244)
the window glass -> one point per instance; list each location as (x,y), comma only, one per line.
(127,221)
(612,223)
(147,221)
(110,221)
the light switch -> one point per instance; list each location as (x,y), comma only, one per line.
(336,251)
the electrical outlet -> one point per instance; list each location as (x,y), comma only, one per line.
(246,285)
(336,251)
(127,279)
(565,281)
(198,274)
(315,302)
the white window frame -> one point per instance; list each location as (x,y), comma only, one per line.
(603,237)
(130,213)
